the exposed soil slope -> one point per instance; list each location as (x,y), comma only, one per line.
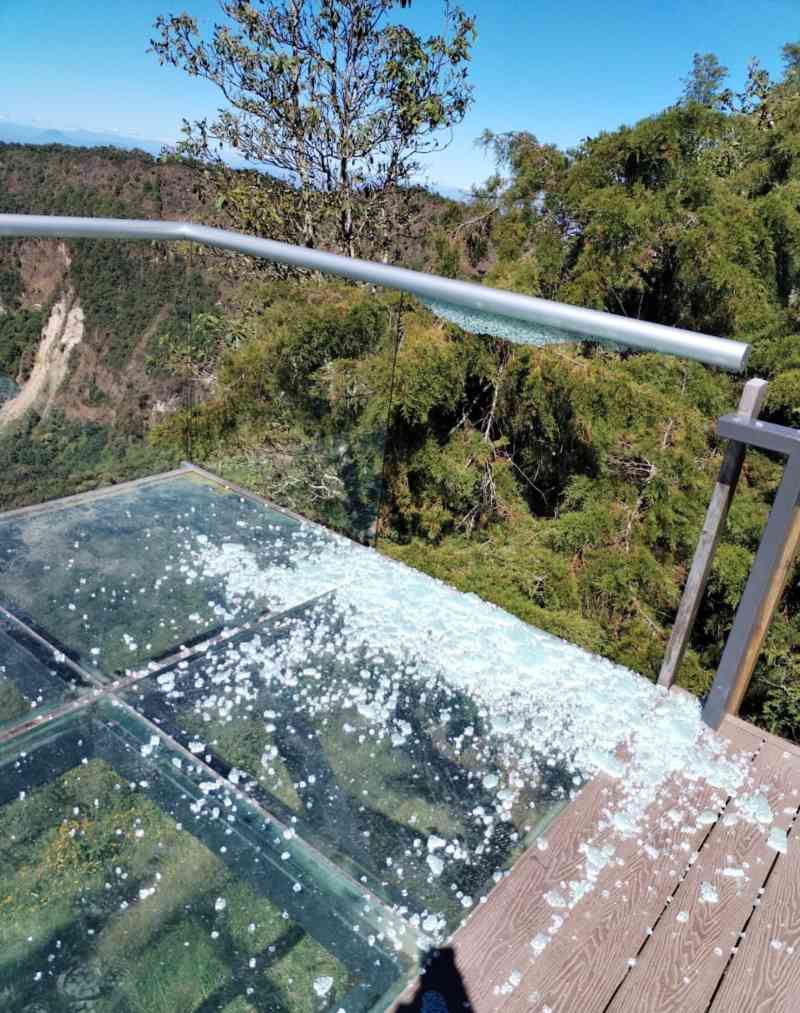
(63,331)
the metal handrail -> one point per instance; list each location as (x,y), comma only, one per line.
(574,320)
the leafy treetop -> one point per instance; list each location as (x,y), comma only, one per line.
(331,97)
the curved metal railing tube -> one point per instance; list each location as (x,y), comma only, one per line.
(572,322)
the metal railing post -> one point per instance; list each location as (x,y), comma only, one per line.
(750,404)
(768,575)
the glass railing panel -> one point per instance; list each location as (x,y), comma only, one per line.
(122,577)
(131,880)
(363,733)
(297,409)
(138,363)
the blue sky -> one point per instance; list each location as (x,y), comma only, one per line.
(562,69)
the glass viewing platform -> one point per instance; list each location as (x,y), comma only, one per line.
(248,763)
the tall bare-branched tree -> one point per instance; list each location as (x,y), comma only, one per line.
(333,98)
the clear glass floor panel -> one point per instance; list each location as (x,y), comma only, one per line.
(33,677)
(118,578)
(131,880)
(392,770)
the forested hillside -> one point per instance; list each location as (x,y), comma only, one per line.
(567,484)
(111,300)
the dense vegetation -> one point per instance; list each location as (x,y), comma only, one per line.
(19,337)
(567,484)
(45,457)
(133,297)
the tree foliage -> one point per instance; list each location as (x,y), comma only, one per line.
(688,218)
(569,485)
(19,338)
(329,95)
(704,83)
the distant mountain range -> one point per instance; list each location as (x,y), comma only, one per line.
(22,133)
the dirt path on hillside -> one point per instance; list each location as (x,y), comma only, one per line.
(62,332)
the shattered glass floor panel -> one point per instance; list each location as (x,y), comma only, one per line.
(34,678)
(116,579)
(121,890)
(247,764)
(392,773)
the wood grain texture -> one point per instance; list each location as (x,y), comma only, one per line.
(732,721)
(588,959)
(769,975)
(584,967)
(733,725)
(495,942)
(682,963)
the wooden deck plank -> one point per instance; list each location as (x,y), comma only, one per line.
(495,942)
(731,722)
(734,725)
(682,963)
(586,962)
(588,959)
(769,975)
(496,937)
(584,968)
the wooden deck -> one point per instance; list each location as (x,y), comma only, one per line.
(706,921)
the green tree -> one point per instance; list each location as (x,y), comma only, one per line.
(329,95)
(791,59)
(704,82)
